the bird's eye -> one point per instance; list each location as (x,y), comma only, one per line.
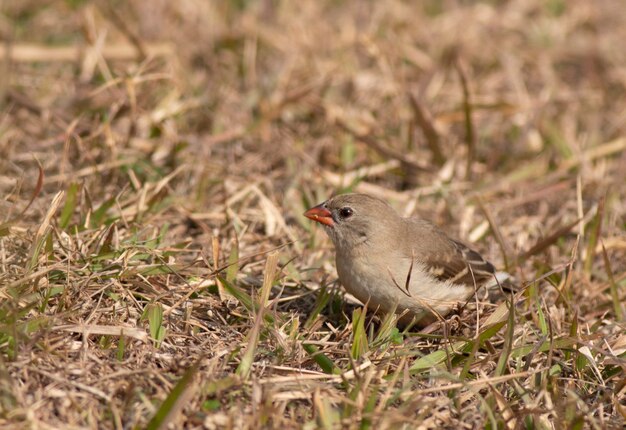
(346,212)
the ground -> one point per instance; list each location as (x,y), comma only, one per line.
(155,161)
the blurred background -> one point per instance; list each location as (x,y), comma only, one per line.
(448,98)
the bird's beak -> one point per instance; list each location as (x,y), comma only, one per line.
(320,214)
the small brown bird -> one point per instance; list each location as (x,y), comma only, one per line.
(402,264)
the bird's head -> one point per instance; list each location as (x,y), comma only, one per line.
(353,219)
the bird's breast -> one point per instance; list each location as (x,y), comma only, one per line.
(393,282)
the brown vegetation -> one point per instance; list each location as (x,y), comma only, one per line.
(155,160)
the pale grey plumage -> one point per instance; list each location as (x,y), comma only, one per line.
(390,262)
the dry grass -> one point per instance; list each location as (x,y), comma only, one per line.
(163,274)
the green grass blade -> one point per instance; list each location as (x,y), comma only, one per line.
(321,359)
(359,336)
(175,400)
(69,206)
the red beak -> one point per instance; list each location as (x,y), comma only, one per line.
(320,214)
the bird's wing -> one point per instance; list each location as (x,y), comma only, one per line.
(449,260)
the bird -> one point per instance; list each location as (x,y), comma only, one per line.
(394,264)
